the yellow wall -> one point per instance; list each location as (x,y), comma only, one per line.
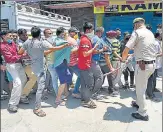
(99,20)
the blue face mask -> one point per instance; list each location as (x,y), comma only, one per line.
(9,41)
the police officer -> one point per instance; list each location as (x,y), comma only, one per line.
(142,40)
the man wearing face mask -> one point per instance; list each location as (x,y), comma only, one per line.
(85,53)
(36,48)
(143,42)
(14,36)
(14,67)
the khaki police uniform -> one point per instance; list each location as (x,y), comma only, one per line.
(142,40)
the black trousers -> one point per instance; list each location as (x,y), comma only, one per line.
(126,74)
(151,84)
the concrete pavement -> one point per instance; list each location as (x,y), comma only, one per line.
(111,115)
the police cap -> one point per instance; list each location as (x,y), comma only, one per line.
(136,20)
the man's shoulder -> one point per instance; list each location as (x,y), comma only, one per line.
(3,45)
(115,41)
(84,40)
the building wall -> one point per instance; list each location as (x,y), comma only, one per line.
(78,15)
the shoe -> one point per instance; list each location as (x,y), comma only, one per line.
(153,98)
(132,86)
(115,94)
(157,90)
(138,116)
(4,97)
(12,108)
(4,93)
(133,104)
(24,100)
(126,86)
(150,97)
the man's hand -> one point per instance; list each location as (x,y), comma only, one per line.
(112,70)
(3,68)
(105,48)
(96,46)
(121,59)
(68,45)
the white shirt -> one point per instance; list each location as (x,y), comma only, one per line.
(143,42)
(158,51)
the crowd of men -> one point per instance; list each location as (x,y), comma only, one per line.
(90,55)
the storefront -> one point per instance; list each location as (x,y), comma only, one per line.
(121,16)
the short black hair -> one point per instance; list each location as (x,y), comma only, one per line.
(4,32)
(21,31)
(157,35)
(14,31)
(35,32)
(60,30)
(118,29)
(87,25)
(149,27)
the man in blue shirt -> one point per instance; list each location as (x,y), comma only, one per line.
(106,66)
(97,39)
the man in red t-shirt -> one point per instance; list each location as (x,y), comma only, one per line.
(8,50)
(84,64)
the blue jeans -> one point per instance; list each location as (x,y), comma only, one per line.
(54,77)
(75,69)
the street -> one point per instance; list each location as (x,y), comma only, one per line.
(111,115)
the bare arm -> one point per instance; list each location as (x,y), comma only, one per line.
(118,56)
(98,51)
(74,50)
(21,51)
(159,55)
(125,53)
(87,53)
(108,62)
(53,49)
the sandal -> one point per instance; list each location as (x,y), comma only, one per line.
(60,102)
(39,113)
(89,104)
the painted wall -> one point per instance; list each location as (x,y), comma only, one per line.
(125,22)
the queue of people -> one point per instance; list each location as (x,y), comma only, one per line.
(32,62)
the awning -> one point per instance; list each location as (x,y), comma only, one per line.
(122,2)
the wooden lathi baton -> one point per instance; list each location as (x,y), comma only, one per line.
(111,72)
(124,66)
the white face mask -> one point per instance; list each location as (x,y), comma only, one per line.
(90,35)
(50,39)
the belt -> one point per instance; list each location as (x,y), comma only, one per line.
(145,62)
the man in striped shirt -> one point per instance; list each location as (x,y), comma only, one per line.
(116,60)
(106,66)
